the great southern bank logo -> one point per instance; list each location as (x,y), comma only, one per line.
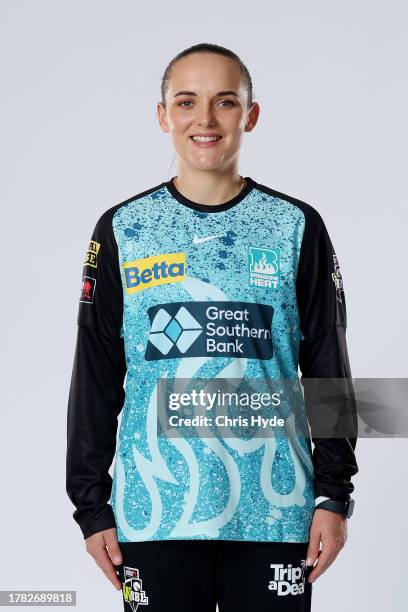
(155,270)
(210,328)
(181,330)
(264,266)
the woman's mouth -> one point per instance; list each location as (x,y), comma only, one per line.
(205,141)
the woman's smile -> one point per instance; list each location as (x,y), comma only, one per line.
(205,141)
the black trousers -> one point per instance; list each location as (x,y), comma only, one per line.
(195,575)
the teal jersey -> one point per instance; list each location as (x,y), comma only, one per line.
(174,290)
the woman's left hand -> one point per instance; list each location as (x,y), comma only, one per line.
(330,528)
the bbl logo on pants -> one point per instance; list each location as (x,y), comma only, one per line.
(132,589)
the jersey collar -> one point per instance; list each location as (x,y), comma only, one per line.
(211,208)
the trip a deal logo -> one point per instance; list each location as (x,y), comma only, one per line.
(210,328)
(151,271)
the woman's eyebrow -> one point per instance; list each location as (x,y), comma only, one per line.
(193,93)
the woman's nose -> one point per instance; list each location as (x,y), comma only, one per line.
(206,117)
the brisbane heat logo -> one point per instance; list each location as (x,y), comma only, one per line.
(264,267)
(132,589)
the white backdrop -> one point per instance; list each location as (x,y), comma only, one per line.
(79,83)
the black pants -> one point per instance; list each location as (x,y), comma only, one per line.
(195,575)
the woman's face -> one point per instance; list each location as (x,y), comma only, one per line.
(206,97)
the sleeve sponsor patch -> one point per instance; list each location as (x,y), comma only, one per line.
(337,279)
(87,289)
(92,254)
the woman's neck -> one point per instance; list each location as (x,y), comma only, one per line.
(208,187)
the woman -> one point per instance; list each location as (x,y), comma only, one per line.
(207,276)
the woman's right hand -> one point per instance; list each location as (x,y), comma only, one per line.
(104,548)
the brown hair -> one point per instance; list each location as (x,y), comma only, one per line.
(208,48)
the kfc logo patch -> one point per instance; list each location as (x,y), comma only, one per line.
(87,289)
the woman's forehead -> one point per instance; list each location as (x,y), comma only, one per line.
(205,73)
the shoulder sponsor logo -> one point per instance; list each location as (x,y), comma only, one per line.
(87,289)
(132,589)
(288,579)
(264,267)
(216,329)
(92,254)
(152,271)
(337,279)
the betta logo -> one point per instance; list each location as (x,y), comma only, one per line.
(156,270)
(87,289)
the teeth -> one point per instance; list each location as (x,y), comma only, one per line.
(206,138)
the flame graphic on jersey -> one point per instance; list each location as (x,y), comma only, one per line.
(157,467)
(263,266)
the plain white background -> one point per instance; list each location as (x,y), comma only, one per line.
(79,134)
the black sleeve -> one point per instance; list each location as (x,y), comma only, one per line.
(323,354)
(96,394)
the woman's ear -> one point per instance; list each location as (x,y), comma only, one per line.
(252,117)
(162,117)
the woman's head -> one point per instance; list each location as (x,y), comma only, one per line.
(216,50)
(207,91)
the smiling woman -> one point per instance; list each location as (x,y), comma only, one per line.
(208,275)
(206,106)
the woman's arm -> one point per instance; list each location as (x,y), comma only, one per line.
(323,355)
(328,390)
(96,393)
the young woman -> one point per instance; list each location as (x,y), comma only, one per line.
(207,276)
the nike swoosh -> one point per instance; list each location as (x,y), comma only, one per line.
(198,240)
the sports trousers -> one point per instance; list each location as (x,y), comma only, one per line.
(196,575)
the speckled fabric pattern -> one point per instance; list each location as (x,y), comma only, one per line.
(209,488)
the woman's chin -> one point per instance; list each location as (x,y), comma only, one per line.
(206,162)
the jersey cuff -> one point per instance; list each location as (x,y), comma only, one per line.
(107,521)
(320,499)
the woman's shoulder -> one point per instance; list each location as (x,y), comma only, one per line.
(308,210)
(106,217)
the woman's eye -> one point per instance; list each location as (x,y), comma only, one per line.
(189,103)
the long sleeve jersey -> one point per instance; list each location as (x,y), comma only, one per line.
(164,283)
